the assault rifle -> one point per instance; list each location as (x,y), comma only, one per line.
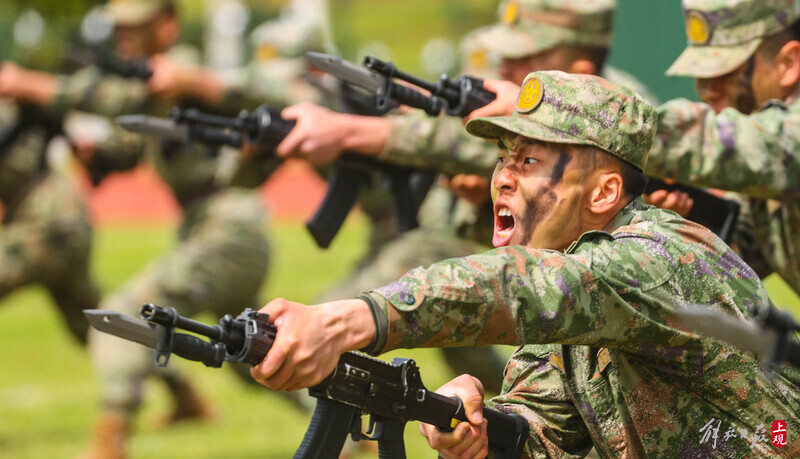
(264,127)
(457,97)
(463,95)
(390,393)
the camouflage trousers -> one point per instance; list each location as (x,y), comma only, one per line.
(217,266)
(47,240)
(421,247)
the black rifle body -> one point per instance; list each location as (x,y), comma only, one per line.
(351,173)
(391,393)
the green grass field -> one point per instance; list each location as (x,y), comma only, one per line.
(48,392)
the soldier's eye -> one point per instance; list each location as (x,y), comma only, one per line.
(530,161)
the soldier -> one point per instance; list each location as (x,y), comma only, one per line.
(46,237)
(530,35)
(745,56)
(744,137)
(587,277)
(221,256)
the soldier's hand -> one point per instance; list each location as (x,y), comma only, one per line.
(318,136)
(470,187)
(171,80)
(310,340)
(676,201)
(468,439)
(26,85)
(504,103)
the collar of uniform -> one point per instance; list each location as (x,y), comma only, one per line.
(623,218)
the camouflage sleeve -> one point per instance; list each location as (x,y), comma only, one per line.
(422,141)
(90,90)
(756,154)
(517,295)
(533,388)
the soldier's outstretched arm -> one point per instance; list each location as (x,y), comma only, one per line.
(757,154)
(321,135)
(25,85)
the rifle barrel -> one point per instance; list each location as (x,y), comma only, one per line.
(389,70)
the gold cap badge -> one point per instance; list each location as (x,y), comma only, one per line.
(697,29)
(530,95)
(511,13)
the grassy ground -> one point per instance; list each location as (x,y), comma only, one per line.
(48,392)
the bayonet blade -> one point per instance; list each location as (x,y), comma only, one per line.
(741,333)
(346,71)
(164,128)
(126,327)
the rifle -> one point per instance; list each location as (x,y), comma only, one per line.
(463,95)
(265,127)
(771,334)
(390,393)
(715,213)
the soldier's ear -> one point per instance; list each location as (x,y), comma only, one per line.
(584,66)
(607,192)
(787,62)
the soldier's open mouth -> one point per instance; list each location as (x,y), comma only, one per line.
(503,226)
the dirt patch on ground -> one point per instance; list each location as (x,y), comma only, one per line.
(293,192)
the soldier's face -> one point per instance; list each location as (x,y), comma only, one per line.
(144,40)
(745,89)
(515,70)
(538,193)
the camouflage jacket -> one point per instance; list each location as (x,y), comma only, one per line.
(606,359)
(758,155)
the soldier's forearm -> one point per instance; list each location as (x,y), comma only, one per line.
(39,88)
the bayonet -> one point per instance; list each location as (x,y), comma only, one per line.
(126,327)
(347,71)
(161,127)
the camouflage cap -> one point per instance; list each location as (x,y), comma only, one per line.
(576,109)
(135,12)
(476,60)
(723,34)
(288,37)
(529,27)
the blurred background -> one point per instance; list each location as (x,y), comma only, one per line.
(47,390)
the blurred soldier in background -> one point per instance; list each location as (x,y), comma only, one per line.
(531,35)
(46,237)
(745,57)
(221,257)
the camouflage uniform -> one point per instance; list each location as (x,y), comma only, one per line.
(221,256)
(605,360)
(755,154)
(46,237)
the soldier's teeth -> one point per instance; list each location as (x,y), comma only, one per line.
(504,212)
